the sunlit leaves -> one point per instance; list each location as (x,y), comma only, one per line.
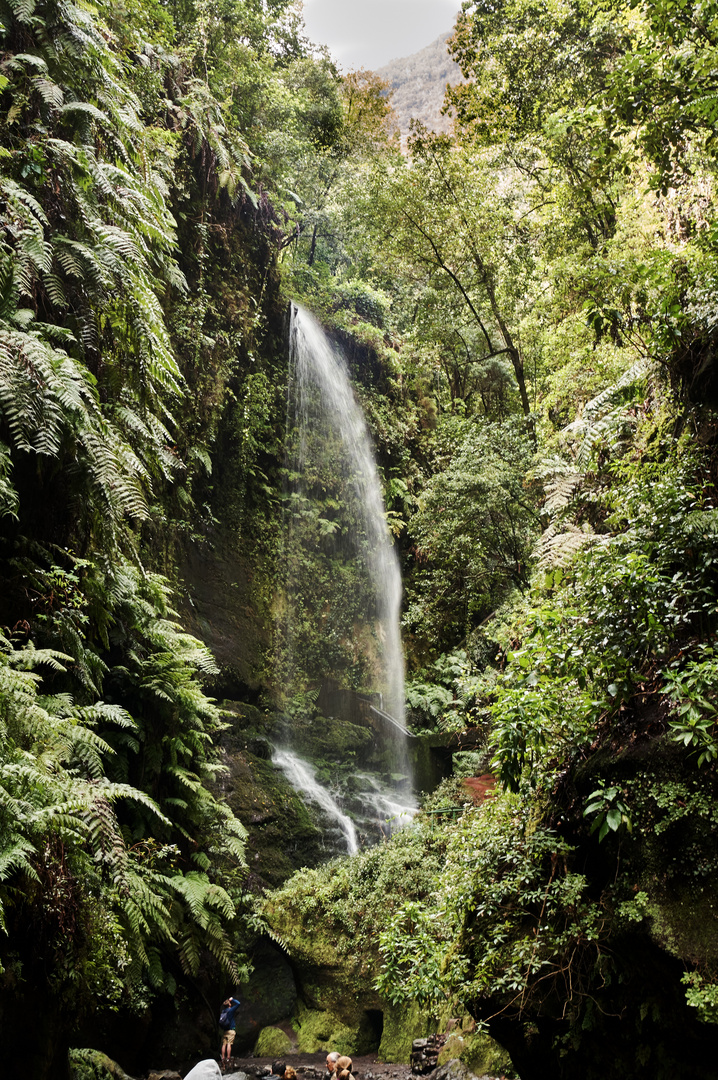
(620,610)
(474,529)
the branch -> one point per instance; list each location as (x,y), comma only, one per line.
(447,270)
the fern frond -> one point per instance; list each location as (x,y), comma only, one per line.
(113,792)
(49,91)
(108,713)
(23,198)
(19,60)
(606,416)
(560,491)
(15,856)
(85,108)
(559,544)
(701,523)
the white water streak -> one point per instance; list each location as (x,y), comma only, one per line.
(317,365)
(389,809)
(302,777)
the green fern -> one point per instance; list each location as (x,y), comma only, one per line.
(560,543)
(88,387)
(607,416)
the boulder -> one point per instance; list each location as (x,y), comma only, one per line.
(272,1042)
(455,1070)
(484,1055)
(454,1047)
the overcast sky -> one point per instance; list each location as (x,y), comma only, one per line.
(370,33)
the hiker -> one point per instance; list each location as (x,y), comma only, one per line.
(227,1025)
(332,1059)
(279,1068)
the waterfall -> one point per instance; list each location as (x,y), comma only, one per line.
(303,778)
(340,617)
(384,807)
(331,434)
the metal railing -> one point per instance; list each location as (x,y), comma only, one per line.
(454,811)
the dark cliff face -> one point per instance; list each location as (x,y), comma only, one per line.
(234,351)
(218,605)
(622,1008)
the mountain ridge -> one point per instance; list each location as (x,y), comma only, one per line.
(419,83)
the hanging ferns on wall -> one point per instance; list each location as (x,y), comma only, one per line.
(112,845)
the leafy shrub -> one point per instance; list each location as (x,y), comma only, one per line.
(620,613)
(509,919)
(337,909)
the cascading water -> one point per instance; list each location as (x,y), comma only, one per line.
(303,778)
(382,805)
(331,434)
(341,619)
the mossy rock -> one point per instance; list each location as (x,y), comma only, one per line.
(402,1025)
(685,924)
(479,1051)
(454,1048)
(323,1030)
(329,742)
(283,834)
(94,1065)
(272,1042)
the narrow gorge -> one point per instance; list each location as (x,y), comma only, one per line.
(358,543)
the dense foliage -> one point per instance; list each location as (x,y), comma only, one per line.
(546,275)
(127,180)
(527,306)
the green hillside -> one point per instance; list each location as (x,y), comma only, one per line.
(419,83)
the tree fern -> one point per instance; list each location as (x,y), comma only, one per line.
(109,799)
(562,538)
(560,490)
(560,543)
(606,417)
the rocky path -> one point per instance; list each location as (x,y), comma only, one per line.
(311,1067)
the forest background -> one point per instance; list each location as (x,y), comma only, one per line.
(528,309)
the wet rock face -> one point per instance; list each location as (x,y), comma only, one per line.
(282,834)
(218,606)
(269,996)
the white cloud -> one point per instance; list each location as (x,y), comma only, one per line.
(369,33)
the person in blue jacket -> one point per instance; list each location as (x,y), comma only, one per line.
(227,1026)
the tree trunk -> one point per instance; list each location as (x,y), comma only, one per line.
(313,246)
(516,360)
